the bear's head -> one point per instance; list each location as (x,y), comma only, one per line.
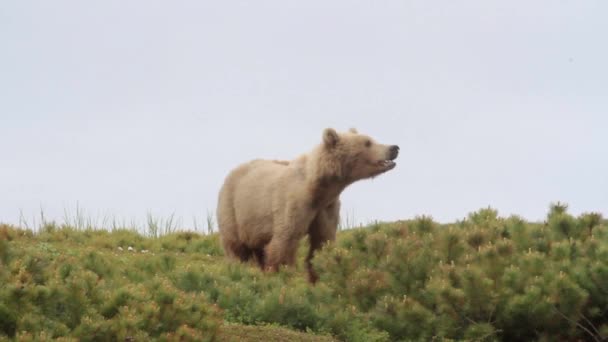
(357,156)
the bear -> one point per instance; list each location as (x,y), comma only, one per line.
(265,207)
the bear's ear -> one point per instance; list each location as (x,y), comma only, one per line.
(353,130)
(330,137)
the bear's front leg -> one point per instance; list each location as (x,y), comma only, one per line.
(322,230)
(289,228)
(280,251)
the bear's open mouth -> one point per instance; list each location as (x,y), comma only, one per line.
(386,164)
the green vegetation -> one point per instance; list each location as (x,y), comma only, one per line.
(484,278)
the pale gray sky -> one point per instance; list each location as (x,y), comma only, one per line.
(129,107)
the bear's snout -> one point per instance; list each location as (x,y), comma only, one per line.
(393,152)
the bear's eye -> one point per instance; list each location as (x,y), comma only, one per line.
(368,143)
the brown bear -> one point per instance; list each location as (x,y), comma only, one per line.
(266,207)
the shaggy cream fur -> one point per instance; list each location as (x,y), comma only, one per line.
(266,206)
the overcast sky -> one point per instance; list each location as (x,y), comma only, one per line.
(130,107)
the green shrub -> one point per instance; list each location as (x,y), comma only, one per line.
(483,278)
(8,321)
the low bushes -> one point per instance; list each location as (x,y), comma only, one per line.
(482,278)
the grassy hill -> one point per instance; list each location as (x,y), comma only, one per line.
(484,278)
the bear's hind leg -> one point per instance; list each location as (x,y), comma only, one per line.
(260,257)
(238,251)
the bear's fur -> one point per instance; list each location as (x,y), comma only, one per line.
(266,207)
